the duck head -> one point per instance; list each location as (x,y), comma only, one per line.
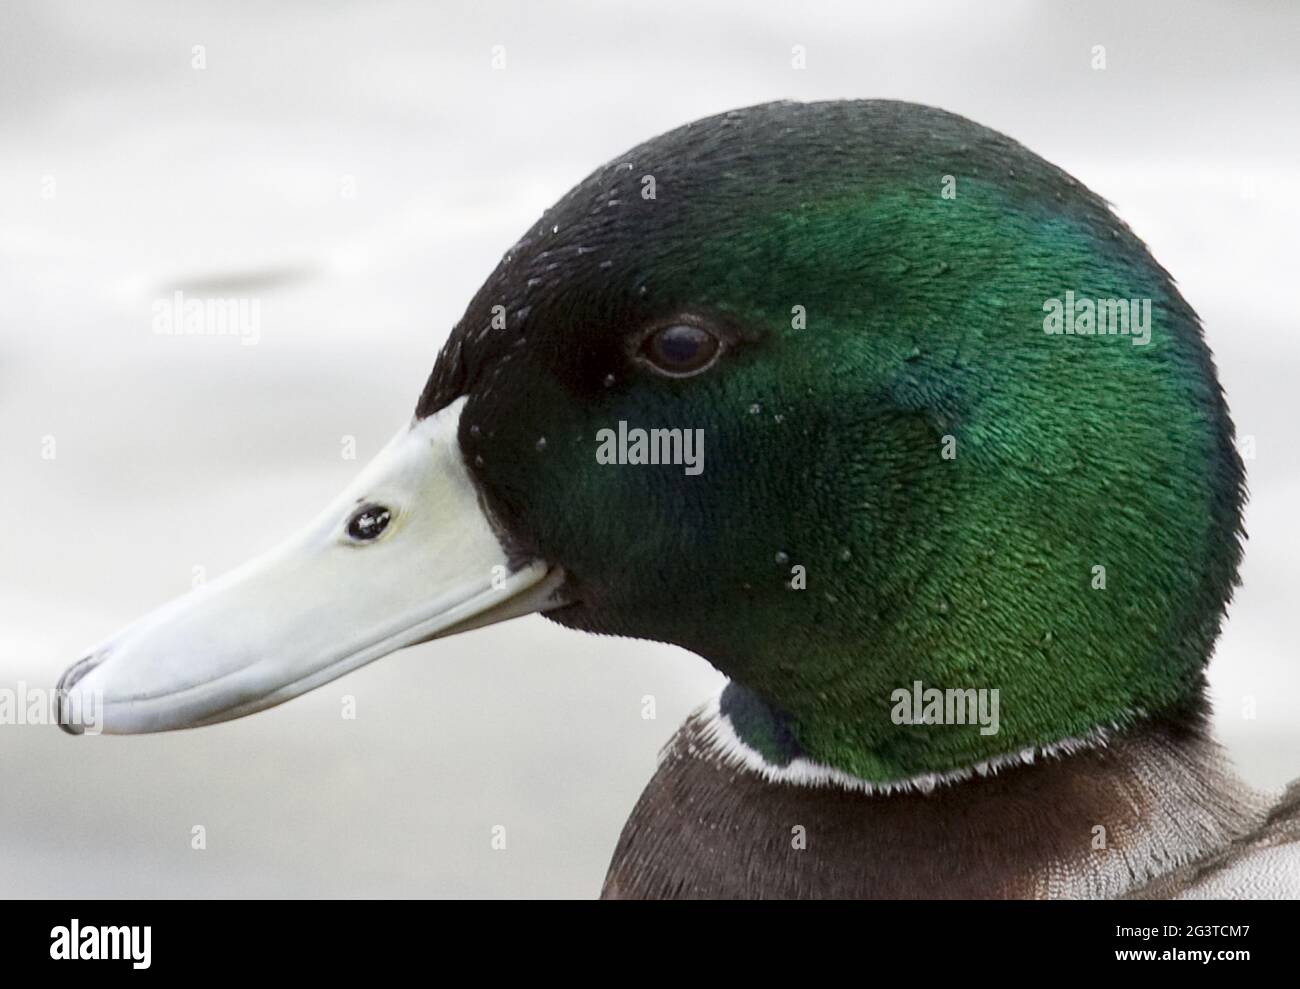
(879,464)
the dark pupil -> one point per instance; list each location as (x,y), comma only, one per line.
(369,522)
(683,347)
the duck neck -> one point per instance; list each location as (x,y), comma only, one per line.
(1099,821)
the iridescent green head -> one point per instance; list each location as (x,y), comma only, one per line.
(862,402)
(905,455)
(908,473)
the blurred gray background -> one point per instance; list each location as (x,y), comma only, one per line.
(183,452)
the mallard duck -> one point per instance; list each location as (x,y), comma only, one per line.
(894,423)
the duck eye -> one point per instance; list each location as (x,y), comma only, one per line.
(369,522)
(680,350)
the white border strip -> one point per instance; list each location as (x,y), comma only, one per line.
(724,745)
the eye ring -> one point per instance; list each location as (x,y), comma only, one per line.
(369,522)
(680,348)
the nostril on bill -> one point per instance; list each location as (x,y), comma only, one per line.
(69,720)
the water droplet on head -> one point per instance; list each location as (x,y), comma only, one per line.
(475,431)
(609,381)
